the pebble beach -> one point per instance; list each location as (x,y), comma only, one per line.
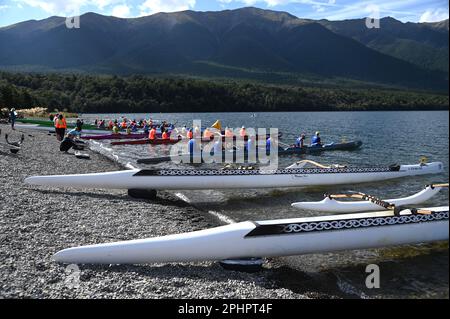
(36,222)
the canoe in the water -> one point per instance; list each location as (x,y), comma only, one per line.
(176,179)
(275,238)
(146,141)
(330,205)
(119,136)
(243,156)
(348,146)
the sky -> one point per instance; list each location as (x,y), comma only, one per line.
(13,11)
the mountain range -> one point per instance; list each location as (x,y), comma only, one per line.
(244,43)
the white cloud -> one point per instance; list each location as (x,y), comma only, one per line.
(155,6)
(66,7)
(121,11)
(3,7)
(62,7)
(434,15)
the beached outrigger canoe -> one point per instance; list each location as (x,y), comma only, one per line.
(331,204)
(273,238)
(294,176)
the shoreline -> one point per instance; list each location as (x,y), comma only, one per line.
(39,221)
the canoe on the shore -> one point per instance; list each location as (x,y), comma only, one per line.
(331,205)
(158,141)
(176,179)
(276,238)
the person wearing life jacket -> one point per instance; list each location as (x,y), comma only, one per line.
(164,134)
(60,127)
(55,118)
(228,133)
(316,140)
(243,132)
(115,129)
(208,135)
(124,124)
(134,128)
(152,134)
(300,142)
(192,146)
(197,132)
(110,125)
(190,134)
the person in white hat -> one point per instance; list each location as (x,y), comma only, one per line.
(316,140)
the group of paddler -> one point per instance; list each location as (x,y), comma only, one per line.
(132,126)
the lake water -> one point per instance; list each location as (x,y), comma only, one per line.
(388,137)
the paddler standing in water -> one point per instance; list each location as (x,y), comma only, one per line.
(316,140)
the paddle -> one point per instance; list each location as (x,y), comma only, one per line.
(440,185)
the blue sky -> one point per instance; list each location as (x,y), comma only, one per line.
(12,11)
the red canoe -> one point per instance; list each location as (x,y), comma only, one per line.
(158,141)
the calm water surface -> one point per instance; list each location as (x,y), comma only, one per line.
(389,138)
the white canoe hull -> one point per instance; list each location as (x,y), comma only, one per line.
(329,205)
(271,239)
(231,179)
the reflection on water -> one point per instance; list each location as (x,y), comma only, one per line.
(389,138)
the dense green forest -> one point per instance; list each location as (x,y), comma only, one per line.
(109,94)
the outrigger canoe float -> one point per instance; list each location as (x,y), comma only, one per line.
(188,158)
(370,203)
(273,239)
(293,176)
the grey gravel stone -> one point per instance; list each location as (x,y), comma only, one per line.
(36,222)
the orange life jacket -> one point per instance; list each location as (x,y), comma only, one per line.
(61,123)
(152,135)
(207,134)
(165,136)
(190,135)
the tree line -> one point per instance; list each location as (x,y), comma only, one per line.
(143,94)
